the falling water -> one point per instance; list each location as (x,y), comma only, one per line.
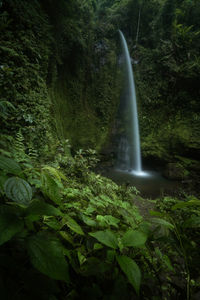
(133,163)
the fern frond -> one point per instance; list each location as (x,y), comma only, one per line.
(32,153)
(19,148)
(5,153)
(55,173)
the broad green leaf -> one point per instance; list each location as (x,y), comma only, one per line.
(81,258)
(65,235)
(162,222)
(51,187)
(30,220)
(134,238)
(89,210)
(106,237)
(10,224)
(52,222)
(18,190)
(107,220)
(88,221)
(101,221)
(47,256)
(145,227)
(39,207)
(72,224)
(97,246)
(9,166)
(132,271)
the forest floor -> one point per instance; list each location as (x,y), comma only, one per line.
(144,206)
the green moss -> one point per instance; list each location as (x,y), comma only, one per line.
(188,163)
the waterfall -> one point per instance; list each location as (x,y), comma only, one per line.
(133,162)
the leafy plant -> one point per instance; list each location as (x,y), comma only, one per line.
(18,190)
(47,255)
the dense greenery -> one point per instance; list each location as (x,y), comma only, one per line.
(65,231)
(74,234)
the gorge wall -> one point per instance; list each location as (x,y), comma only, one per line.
(60,62)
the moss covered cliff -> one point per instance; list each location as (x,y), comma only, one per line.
(59,72)
(60,77)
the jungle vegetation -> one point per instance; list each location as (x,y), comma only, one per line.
(66,232)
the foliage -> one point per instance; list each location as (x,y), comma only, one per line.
(59,238)
(181,217)
(66,232)
(82,228)
(18,190)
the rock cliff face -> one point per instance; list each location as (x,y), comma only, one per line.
(59,70)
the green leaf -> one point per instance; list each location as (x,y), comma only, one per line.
(132,271)
(51,187)
(156,213)
(46,255)
(88,221)
(162,222)
(72,224)
(158,253)
(106,237)
(194,202)
(98,246)
(55,173)
(167,262)
(65,235)
(52,222)
(18,190)
(106,199)
(107,220)
(133,238)
(10,224)
(9,166)
(81,258)
(39,207)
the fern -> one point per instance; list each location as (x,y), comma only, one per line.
(19,148)
(55,173)
(32,153)
(5,107)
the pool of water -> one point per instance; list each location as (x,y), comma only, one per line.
(151,184)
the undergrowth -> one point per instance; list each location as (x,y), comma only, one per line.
(74,234)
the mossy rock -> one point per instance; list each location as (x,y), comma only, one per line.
(175,171)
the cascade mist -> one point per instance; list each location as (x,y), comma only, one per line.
(129,147)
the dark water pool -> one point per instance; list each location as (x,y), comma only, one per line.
(150,184)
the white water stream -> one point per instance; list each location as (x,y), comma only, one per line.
(133,160)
